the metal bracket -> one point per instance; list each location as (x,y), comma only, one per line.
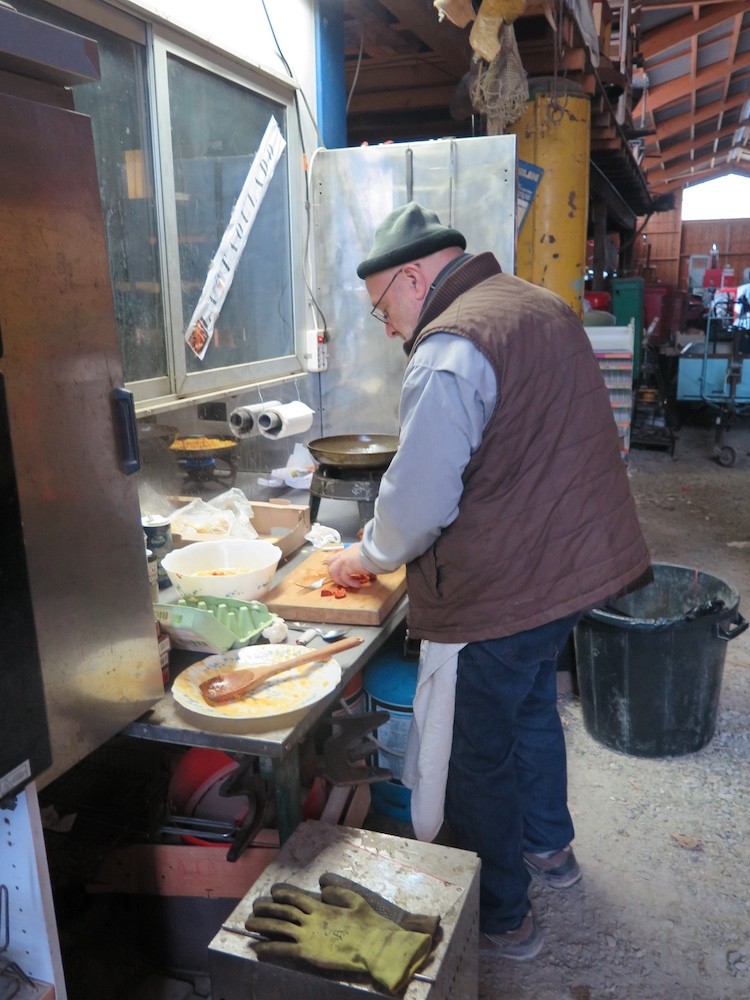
(344,751)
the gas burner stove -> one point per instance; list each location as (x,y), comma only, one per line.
(202,473)
(339,483)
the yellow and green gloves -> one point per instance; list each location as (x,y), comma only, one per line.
(347,929)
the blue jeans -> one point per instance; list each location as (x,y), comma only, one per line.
(507,786)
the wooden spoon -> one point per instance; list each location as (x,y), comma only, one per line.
(238,683)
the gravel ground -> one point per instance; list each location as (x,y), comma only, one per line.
(663,910)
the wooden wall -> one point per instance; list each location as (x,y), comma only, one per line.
(732,237)
(664,245)
(658,247)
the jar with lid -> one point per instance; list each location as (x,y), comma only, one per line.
(159,539)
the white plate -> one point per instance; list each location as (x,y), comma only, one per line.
(289,692)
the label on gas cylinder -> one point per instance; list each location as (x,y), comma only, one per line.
(391,737)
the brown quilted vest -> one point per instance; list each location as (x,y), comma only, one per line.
(547,526)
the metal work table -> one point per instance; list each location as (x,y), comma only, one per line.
(277,749)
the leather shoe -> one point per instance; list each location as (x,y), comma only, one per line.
(559,871)
(520,945)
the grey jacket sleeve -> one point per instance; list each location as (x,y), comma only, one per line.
(448,394)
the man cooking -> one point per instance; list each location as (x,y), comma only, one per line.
(510,505)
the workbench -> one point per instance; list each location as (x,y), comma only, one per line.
(277,749)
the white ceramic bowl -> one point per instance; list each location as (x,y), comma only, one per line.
(239,568)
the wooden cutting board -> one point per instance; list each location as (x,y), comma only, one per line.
(369,605)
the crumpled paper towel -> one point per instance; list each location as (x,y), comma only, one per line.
(296,474)
(277,631)
(322,537)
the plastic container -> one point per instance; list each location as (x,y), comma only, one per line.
(650,664)
(158,534)
(599,300)
(212,624)
(390,683)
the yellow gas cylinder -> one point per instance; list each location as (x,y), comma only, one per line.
(555,134)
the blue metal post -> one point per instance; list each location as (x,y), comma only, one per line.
(329,65)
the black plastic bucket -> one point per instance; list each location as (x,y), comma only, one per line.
(650,664)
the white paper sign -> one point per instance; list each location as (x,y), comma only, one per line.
(221,272)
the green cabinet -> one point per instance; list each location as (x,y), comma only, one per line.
(628,296)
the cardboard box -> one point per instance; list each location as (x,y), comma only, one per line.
(282,522)
(177,896)
(278,521)
(184,870)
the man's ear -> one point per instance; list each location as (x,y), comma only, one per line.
(417,281)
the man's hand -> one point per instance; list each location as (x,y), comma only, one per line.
(346,569)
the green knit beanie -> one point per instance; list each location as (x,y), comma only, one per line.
(408,233)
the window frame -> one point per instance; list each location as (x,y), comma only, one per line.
(161,40)
(165,44)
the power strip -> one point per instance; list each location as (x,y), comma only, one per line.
(316,351)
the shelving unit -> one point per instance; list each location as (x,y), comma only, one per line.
(613,348)
(617,369)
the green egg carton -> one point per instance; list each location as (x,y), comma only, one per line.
(213,624)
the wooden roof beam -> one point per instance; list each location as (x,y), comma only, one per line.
(680,123)
(668,93)
(675,32)
(398,74)
(380,41)
(686,169)
(733,49)
(685,148)
(416,97)
(444,37)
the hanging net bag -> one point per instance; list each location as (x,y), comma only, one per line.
(500,89)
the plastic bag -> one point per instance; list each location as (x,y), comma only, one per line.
(323,537)
(228,515)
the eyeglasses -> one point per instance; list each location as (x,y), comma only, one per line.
(381,314)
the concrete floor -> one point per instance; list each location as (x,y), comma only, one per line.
(662,910)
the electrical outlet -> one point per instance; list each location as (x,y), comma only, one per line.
(316,351)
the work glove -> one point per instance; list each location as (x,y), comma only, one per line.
(339,931)
(422,923)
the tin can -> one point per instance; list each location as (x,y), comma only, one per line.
(159,539)
(153,576)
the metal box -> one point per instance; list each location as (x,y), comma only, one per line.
(707,379)
(424,878)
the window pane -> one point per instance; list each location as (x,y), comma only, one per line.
(216,129)
(127,188)
(120,121)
